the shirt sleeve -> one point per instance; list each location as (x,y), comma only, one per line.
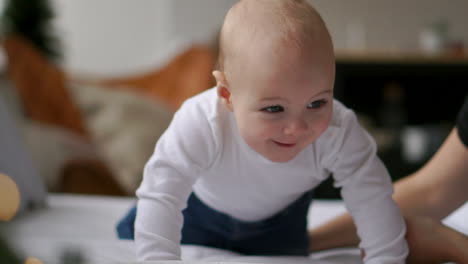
(367,190)
(462,123)
(184,150)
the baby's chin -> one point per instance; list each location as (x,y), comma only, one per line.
(280,158)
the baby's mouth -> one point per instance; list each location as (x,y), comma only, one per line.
(284,145)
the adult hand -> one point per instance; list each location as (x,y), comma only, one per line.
(431,242)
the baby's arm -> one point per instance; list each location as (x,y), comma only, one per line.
(367,191)
(379,222)
(183,152)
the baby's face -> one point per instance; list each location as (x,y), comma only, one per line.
(285,107)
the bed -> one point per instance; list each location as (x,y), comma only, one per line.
(83,226)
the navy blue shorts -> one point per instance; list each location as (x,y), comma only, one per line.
(282,234)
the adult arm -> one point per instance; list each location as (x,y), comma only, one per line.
(438,188)
(434,191)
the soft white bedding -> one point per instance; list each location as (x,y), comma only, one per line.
(86,224)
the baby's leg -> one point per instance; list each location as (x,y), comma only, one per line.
(126,226)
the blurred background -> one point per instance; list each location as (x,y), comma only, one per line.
(91,85)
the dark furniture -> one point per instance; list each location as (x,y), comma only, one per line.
(400,91)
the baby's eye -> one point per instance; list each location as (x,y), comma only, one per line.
(273,109)
(316,104)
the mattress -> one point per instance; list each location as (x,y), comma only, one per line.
(83,226)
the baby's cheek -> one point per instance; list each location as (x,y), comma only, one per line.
(323,124)
(320,125)
(255,131)
(274,130)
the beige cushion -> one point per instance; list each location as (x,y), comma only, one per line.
(52,147)
(47,147)
(125,127)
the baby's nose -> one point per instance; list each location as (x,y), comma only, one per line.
(295,127)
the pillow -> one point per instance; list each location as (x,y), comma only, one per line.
(184,76)
(41,85)
(124,127)
(52,148)
(47,102)
(15,162)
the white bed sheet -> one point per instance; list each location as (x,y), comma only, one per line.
(86,224)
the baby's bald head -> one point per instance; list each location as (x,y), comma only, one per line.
(253,28)
(277,71)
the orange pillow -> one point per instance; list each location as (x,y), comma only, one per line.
(41,86)
(186,75)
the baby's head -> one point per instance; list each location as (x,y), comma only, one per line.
(276,74)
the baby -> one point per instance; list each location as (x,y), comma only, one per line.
(237,166)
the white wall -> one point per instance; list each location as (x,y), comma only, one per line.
(200,19)
(113,37)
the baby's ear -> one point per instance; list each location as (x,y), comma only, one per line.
(223,90)
(220,78)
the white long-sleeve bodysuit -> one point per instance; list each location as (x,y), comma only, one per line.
(202,151)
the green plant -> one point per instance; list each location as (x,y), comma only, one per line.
(31,19)
(6,253)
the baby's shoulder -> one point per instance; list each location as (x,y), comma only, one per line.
(342,115)
(200,106)
(344,137)
(343,123)
(203,112)
(204,100)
